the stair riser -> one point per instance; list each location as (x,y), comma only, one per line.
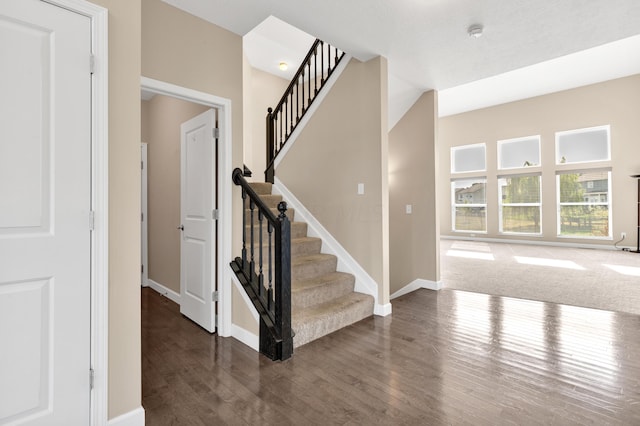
(304,298)
(313,330)
(308,270)
(247,215)
(297,249)
(298,230)
(261,188)
(270,201)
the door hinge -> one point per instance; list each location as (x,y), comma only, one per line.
(142,269)
(142,165)
(92,64)
(91,378)
(215,214)
(216,132)
(214,296)
(92,220)
(141,217)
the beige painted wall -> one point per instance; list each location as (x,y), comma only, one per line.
(144,121)
(181,49)
(265,91)
(346,143)
(165,115)
(124,379)
(415,237)
(615,102)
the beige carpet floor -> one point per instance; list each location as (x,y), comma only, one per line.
(602,279)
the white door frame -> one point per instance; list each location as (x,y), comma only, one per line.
(99,202)
(144,281)
(223,248)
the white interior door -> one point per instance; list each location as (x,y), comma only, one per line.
(197,205)
(45,201)
(144,227)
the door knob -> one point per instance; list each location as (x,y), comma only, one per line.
(181,227)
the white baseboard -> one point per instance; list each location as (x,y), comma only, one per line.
(346,263)
(132,418)
(416,284)
(382,310)
(165,291)
(246,337)
(535,242)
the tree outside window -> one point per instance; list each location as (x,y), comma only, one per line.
(584,209)
(520,204)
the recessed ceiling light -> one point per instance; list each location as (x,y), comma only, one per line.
(475,30)
(283,66)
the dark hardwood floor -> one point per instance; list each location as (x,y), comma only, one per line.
(447,357)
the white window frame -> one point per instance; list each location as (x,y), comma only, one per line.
(501,205)
(608,204)
(606,127)
(516,140)
(454,149)
(454,205)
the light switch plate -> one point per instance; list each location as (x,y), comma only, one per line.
(408,208)
(361,189)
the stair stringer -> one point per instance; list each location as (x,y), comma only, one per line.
(346,263)
(335,75)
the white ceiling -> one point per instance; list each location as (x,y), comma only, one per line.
(427,46)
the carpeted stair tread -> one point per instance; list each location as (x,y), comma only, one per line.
(298,230)
(261,188)
(271,200)
(319,320)
(308,267)
(321,289)
(247,214)
(305,246)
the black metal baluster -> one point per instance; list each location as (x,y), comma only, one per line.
(244,228)
(309,68)
(260,275)
(252,263)
(270,231)
(297,99)
(303,98)
(281,141)
(291,111)
(315,68)
(322,63)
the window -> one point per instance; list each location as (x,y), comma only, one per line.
(469,207)
(468,158)
(584,208)
(520,205)
(520,152)
(583,145)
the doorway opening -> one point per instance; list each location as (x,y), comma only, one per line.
(163,256)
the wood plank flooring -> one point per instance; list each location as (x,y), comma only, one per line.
(442,358)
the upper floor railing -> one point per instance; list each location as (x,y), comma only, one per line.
(313,73)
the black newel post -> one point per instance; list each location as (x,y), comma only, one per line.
(271,147)
(283,280)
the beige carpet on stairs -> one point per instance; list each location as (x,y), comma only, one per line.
(323,300)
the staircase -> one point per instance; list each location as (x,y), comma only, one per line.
(322,299)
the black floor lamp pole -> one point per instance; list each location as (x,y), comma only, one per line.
(637,250)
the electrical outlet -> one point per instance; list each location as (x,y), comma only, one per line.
(623,235)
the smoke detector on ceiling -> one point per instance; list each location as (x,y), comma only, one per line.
(475,30)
